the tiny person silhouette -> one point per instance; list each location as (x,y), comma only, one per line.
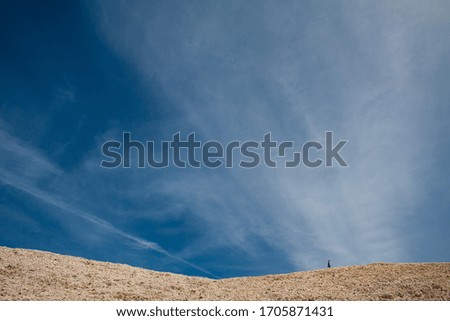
(329,264)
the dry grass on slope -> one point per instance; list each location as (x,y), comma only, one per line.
(37,275)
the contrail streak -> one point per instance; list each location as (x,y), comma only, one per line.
(54,201)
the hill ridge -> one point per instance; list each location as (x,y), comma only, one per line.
(39,275)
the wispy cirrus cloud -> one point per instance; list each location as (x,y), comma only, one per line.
(235,71)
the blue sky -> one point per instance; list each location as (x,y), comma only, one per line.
(75,75)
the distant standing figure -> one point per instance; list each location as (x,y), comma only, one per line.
(329,264)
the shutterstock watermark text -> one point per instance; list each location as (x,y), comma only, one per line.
(189,152)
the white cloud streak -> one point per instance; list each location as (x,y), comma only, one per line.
(31,165)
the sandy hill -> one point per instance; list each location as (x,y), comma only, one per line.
(36,275)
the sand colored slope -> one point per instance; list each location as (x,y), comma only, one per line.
(36,275)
